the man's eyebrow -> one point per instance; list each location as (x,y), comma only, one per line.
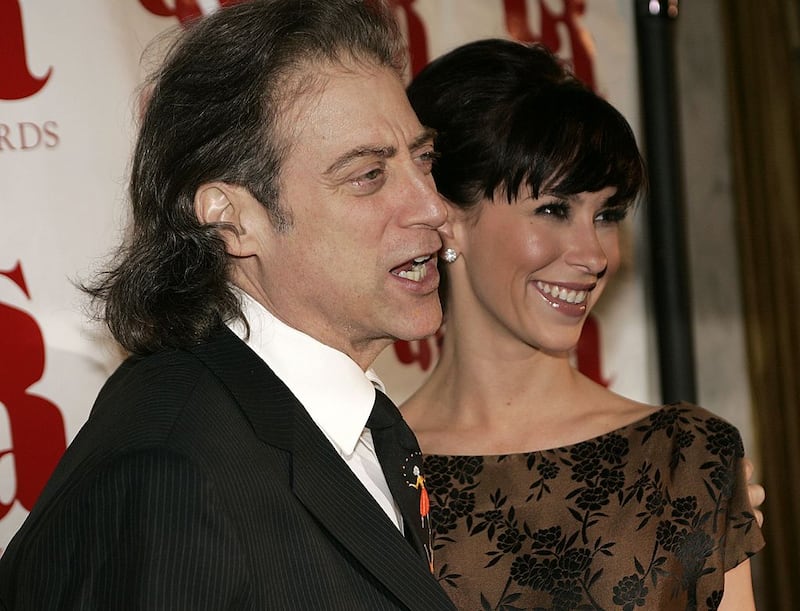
(383,152)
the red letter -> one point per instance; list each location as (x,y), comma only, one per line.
(414,351)
(184,10)
(415,33)
(588,352)
(157,8)
(37,428)
(580,39)
(418,351)
(17,82)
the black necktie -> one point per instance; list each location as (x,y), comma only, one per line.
(401,462)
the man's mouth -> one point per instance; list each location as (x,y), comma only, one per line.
(561,293)
(414,270)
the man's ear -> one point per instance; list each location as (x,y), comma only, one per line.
(230,207)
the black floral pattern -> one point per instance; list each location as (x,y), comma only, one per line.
(649,516)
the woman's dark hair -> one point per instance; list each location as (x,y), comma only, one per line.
(509,114)
(216,112)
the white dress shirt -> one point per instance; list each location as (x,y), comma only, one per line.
(334,390)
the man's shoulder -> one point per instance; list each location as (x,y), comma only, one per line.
(152,398)
(166,377)
(166,371)
(168,405)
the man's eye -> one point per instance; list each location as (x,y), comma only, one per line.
(369,181)
(368,177)
(371,175)
(426,159)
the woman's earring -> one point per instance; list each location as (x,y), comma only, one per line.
(449,255)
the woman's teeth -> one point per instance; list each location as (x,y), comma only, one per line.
(558,292)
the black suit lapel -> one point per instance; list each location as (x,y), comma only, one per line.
(264,399)
(327,487)
(321,479)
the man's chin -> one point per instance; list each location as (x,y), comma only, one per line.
(421,325)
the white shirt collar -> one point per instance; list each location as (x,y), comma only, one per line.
(334,390)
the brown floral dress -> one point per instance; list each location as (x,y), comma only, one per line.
(648,516)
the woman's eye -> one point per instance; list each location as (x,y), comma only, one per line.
(615,214)
(556,209)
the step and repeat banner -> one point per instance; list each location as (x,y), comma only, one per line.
(69,72)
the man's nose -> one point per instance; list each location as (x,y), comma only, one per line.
(425,205)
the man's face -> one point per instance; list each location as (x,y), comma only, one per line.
(357,268)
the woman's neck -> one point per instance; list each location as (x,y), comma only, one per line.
(490,396)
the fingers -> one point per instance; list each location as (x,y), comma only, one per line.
(755,492)
(748,468)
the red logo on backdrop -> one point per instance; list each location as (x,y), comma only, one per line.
(516,12)
(17,82)
(587,352)
(516,20)
(425,352)
(37,428)
(415,34)
(184,10)
(518,26)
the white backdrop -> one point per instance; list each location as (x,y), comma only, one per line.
(68,76)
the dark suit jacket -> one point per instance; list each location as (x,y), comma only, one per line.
(200,482)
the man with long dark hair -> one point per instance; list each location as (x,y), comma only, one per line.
(284,231)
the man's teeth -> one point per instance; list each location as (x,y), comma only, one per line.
(417,271)
(568,295)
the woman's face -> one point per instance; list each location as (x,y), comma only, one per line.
(533,270)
